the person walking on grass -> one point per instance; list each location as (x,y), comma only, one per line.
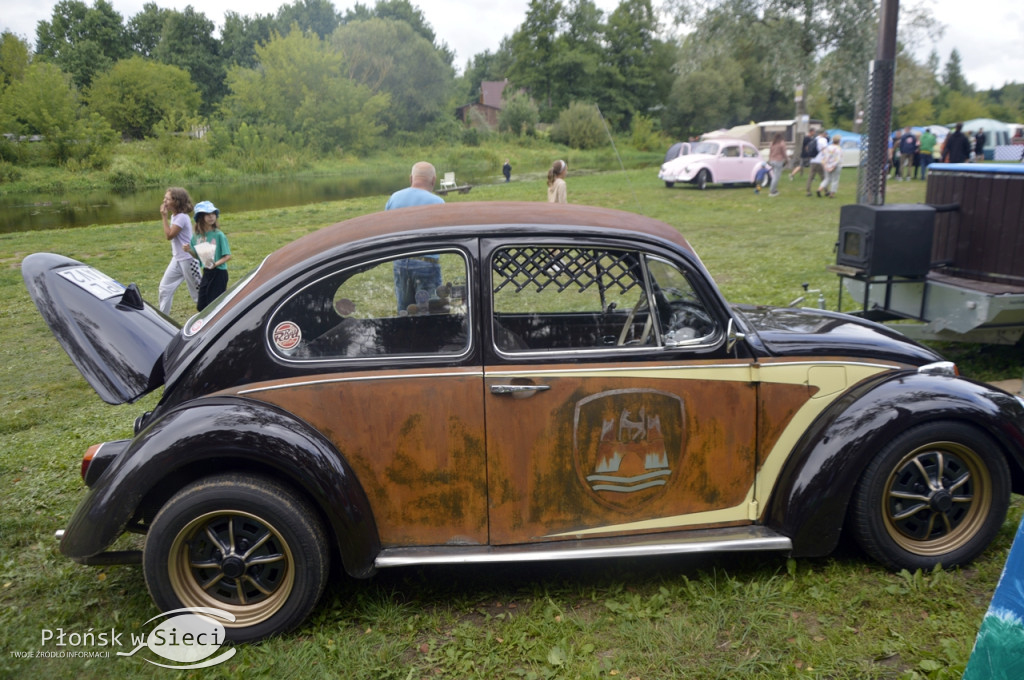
(777,159)
(821,141)
(808,150)
(556,182)
(908,147)
(832,163)
(174,210)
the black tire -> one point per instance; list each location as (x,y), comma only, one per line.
(241,543)
(703,179)
(670,184)
(936,494)
(766,180)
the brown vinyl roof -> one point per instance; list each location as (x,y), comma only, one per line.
(478,217)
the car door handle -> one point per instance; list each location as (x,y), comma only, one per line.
(518,389)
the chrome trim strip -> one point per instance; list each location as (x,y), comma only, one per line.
(744,539)
(362,378)
(540,370)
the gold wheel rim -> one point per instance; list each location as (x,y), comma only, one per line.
(234,561)
(937,498)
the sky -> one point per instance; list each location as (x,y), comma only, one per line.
(987,33)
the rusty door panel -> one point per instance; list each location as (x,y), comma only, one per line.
(415,442)
(605,449)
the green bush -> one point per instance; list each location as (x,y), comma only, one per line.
(520,116)
(580,127)
(645,136)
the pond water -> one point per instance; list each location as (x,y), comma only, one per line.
(32,212)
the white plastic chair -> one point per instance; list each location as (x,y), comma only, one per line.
(448,182)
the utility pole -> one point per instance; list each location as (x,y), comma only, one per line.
(801,124)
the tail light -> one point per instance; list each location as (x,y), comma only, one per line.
(87,458)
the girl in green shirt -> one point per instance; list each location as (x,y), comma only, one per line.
(215,270)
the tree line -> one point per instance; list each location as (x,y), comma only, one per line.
(308,77)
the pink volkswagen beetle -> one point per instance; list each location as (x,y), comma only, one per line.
(721,161)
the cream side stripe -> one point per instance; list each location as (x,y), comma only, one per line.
(360,378)
(733,514)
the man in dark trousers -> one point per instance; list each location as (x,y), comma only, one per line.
(979,145)
(908,147)
(956,149)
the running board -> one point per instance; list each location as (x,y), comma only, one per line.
(730,539)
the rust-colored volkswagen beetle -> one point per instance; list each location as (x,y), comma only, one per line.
(492,382)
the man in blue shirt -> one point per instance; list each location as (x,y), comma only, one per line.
(417,277)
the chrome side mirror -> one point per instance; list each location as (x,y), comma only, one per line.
(732,336)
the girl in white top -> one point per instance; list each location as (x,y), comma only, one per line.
(556,182)
(178,230)
(832,163)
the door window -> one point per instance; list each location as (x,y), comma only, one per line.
(572,298)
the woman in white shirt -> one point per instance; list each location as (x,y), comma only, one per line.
(178,230)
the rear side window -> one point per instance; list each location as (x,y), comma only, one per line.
(414,304)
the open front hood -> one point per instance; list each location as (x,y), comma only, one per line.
(112,335)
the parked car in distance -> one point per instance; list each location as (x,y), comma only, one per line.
(720,161)
(568,384)
(676,150)
(851,152)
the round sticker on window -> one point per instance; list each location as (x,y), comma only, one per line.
(287,336)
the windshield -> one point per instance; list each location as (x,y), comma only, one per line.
(705,147)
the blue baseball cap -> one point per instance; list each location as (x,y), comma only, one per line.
(205,207)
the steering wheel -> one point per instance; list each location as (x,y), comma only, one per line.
(687,322)
(641,304)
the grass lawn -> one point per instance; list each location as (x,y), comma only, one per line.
(750,616)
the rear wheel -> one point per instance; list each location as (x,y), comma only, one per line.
(703,179)
(937,494)
(670,184)
(240,543)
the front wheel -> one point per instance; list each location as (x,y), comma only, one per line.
(669,184)
(244,544)
(703,179)
(936,494)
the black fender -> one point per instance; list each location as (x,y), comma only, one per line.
(814,489)
(214,434)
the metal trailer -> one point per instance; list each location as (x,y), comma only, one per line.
(951,269)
